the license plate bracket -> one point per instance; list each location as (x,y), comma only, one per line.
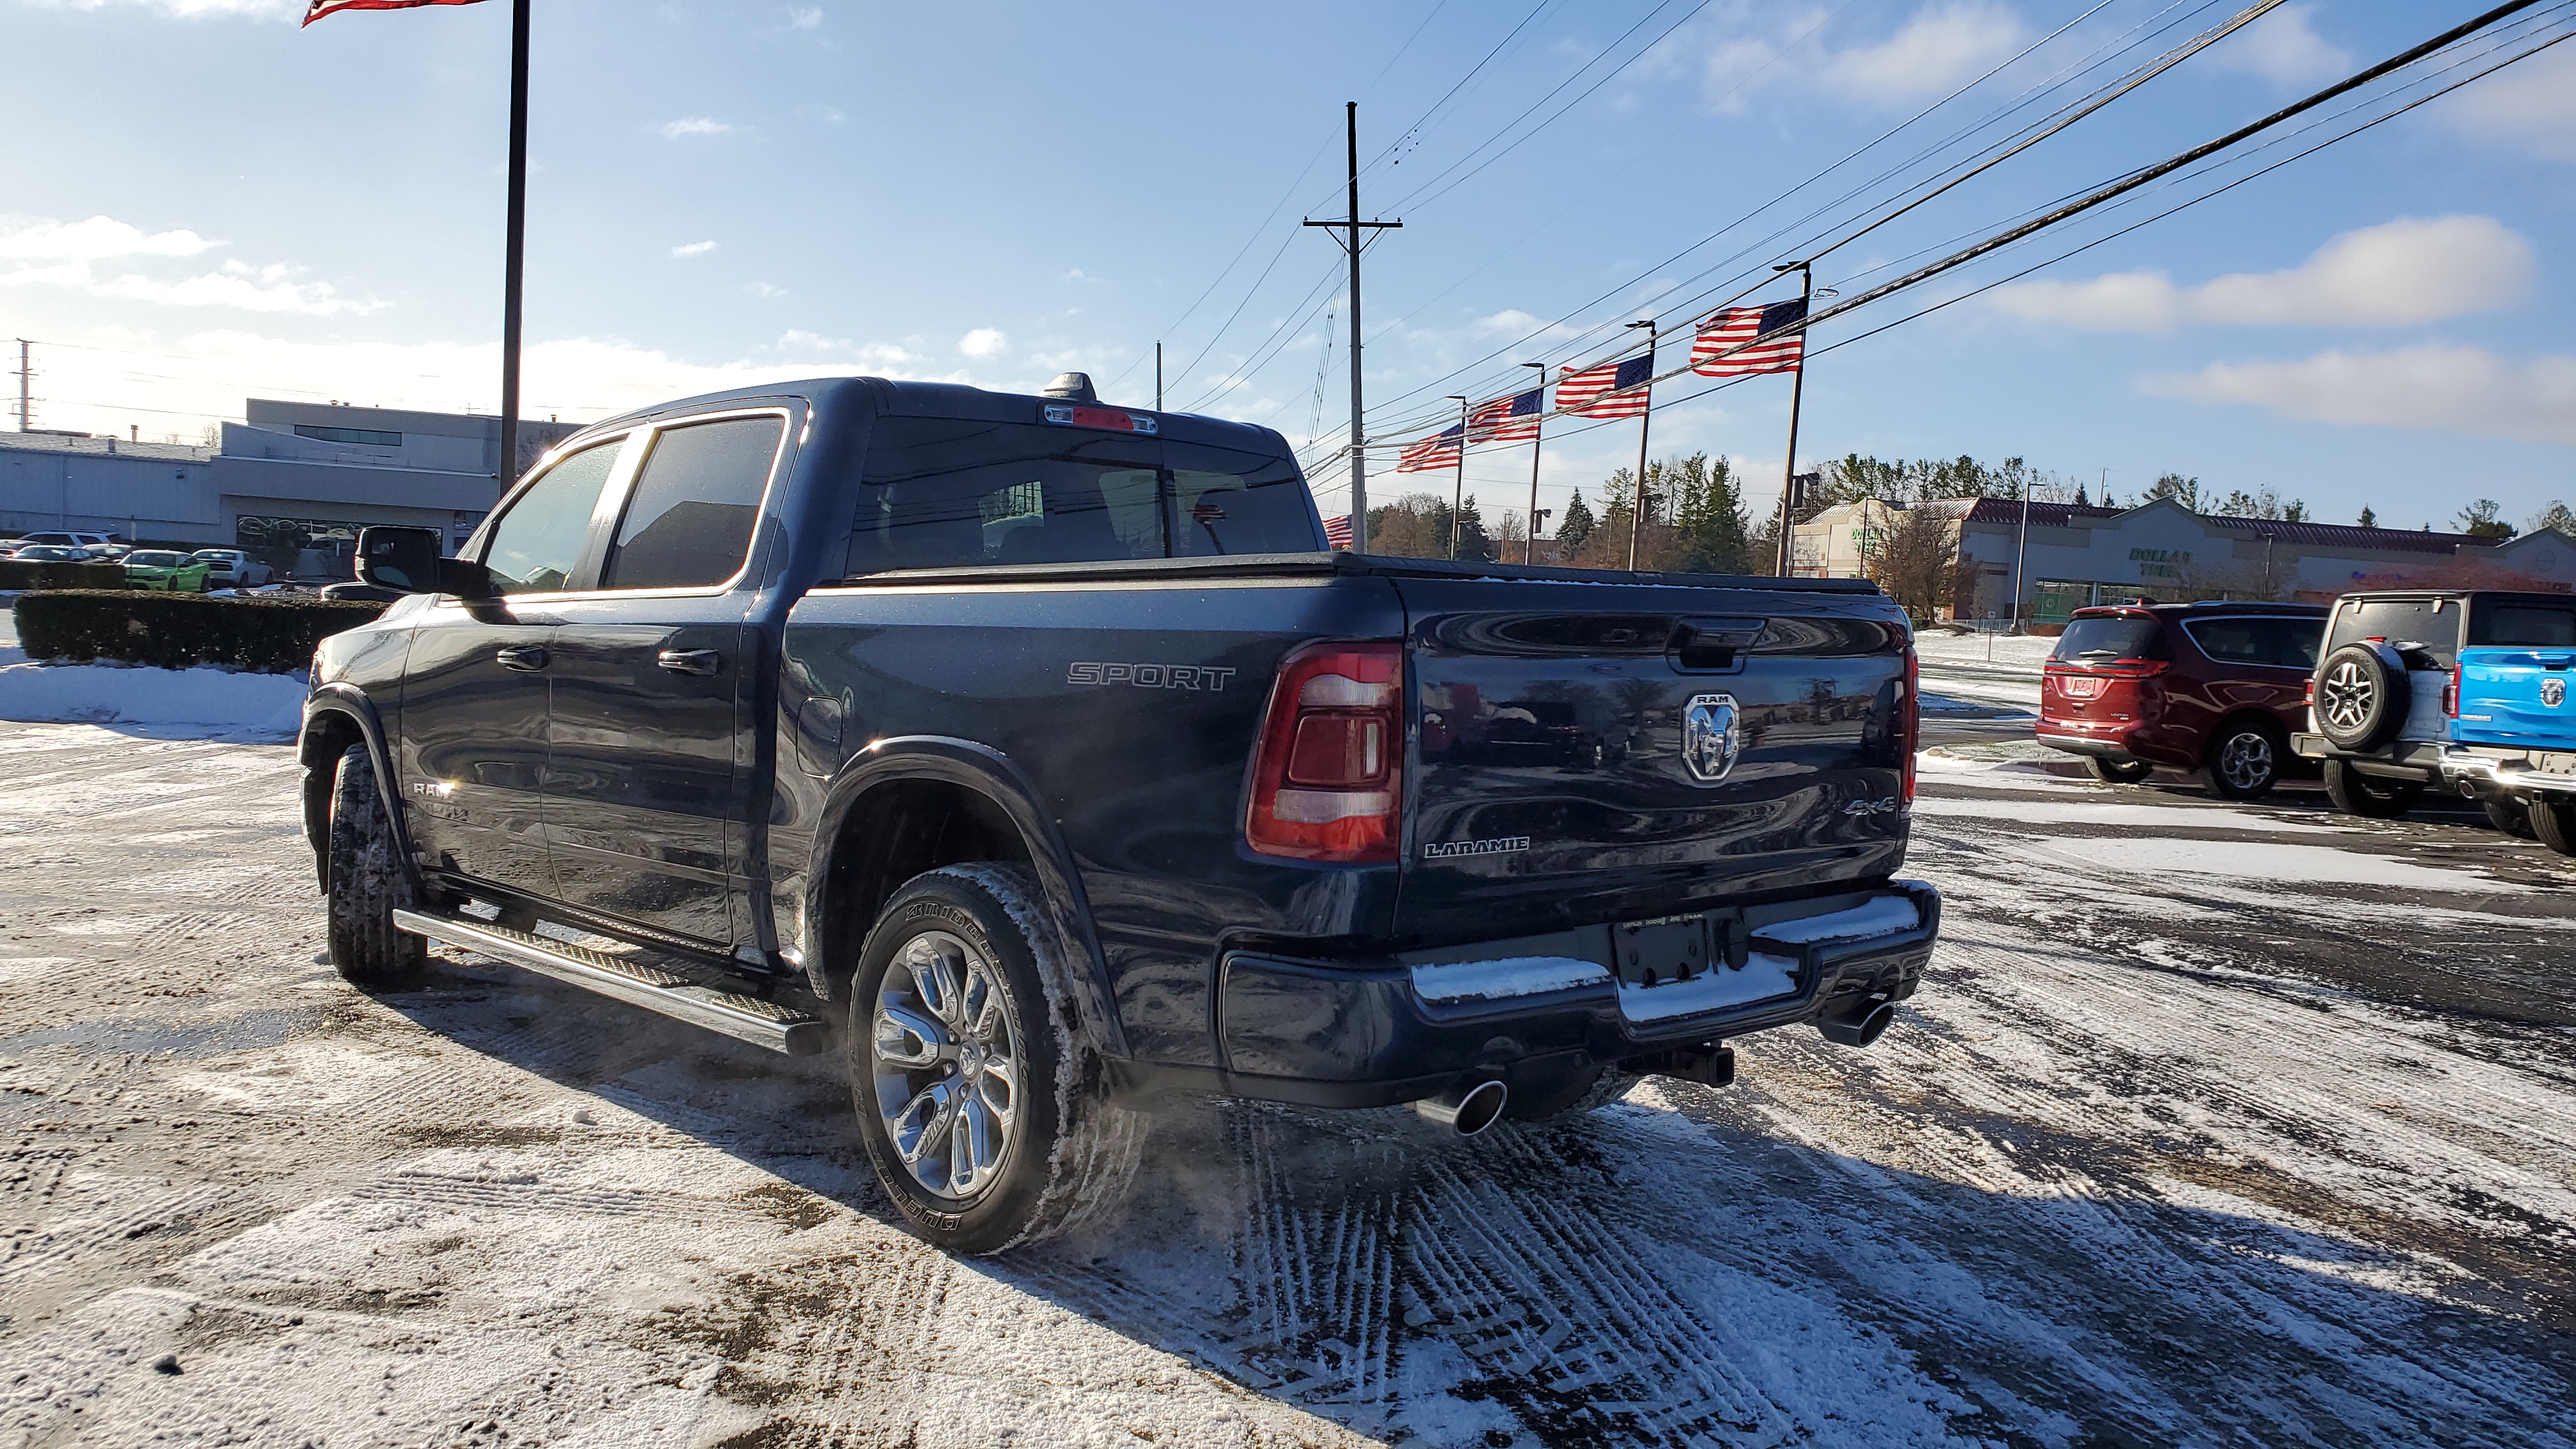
(1676,948)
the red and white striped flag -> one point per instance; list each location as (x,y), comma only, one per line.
(1612,390)
(319,8)
(1738,325)
(1511,419)
(1433,453)
(1337,531)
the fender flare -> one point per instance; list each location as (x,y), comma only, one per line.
(990,773)
(349,701)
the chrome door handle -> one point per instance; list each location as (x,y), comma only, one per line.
(522,657)
(690,661)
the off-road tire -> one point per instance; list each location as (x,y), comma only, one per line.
(1073,1152)
(2512,817)
(2244,760)
(2118,772)
(2553,820)
(2355,793)
(2363,695)
(366,882)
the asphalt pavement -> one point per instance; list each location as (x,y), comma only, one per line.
(2212,1124)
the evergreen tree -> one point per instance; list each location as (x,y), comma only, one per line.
(2185,491)
(1709,526)
(2558,516)
(2368,518)
(1472,542)
(1576,527)
(2479,520)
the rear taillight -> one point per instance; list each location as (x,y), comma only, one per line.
(1327,782)
(1909,725)
(2451,694)
(2310,698)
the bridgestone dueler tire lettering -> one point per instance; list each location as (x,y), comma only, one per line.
(367,882)
(2355,793)
(1075,1152)
(2553,820)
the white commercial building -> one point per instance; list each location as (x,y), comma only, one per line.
(292,484)
(2071,555)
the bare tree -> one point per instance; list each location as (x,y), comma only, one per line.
(1914,558)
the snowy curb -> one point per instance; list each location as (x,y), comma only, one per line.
(204,699)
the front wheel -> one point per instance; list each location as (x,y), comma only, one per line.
(2244,762)
(2355,793)
(366,881)
(985,1117)
(2118,772)
(2553,819)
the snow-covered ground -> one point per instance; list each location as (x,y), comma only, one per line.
(2195,1146)
(1981,669)
(205,701)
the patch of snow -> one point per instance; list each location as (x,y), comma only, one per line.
(1762,978)
(1883,916)
(1507,976)
(2264,861)
(2167,817)
(204,698)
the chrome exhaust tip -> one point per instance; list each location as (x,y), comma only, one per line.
(1466,1109)
(1858,1025)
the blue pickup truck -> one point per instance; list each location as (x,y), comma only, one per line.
(1040,754)
(2513,727)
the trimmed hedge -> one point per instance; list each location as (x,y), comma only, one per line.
(27,574)
(265,635)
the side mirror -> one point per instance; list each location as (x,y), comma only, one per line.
(408,559)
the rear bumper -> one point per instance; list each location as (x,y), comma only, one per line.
(2497,772)
(1529,1011)
(2404,760)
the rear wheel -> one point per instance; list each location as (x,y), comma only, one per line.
(2355,793)
(2244,761)
(366,882)
(986,1120)
(2510,816)
(2118,772)
(2553,819)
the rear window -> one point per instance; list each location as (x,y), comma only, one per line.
(2524,626)
(2430,624)
(945,492)
(2279,643)
(2102,639)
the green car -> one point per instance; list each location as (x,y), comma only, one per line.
(153,568)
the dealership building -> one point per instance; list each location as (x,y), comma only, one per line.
(2066,556)
(292,484)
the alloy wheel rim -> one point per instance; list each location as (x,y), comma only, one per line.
(2245,760)
(945,1054)
(2345,701)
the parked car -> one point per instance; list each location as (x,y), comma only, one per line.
(2216,688)
(2386,715)
(2512,727)
(152,568)
(230,568)
(58,538)
(1049,741)
(48,553)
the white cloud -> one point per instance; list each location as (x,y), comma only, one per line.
(2406,271)
(2453,389)
(983,342)
(764,291)
(805,17)
(2282,48)
(2531,104)
(1937,49)
(693,126)
(692,249)
(96,239)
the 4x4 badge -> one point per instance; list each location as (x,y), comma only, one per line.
(2553,692)
(1711,736)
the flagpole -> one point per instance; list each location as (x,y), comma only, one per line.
(1645,424)
(513,266)
(1797,388)
(1529,541)
(1458,496)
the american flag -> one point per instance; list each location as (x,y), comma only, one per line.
(1337,530)
(319,8)
(1738,325)
(1606,391)
(1433,453)
(1511,419)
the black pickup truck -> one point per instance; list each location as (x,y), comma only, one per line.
(1041,753)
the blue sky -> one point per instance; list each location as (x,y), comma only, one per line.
(217,204)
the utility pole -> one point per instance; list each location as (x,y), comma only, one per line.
(2021,556)
(1352,226)
(1158,377)
(513,266)
(1797,390)
(1458,495)
(1529,545)
(1645,423)
(26,376)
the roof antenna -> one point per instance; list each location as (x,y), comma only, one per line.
(1071,386)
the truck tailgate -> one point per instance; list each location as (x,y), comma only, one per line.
(1589,752)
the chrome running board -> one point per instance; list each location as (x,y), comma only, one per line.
(744,1018)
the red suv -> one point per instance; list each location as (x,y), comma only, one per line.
(2217,688)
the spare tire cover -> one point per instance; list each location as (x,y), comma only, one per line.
(2363,696)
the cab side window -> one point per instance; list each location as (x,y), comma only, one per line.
(535,545)
(696,501)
